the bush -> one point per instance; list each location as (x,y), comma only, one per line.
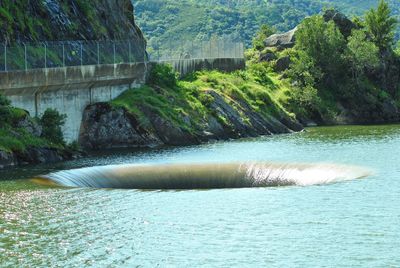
(5,111)
(163,75)
(4,101)
(51,122)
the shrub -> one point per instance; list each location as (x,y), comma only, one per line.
(5,111)
(163,75)
(51,122)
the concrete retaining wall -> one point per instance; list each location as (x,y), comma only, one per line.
(69,90)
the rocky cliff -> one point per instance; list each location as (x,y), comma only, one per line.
(61,20)
(105,126)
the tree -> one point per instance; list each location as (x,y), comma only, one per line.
(264,32)
(361,53)
(381,25)
(397,49)
(51,122)
(322,42)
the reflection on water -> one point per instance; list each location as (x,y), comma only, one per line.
(350,224)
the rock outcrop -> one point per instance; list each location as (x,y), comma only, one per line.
(344,24)
(105,126)
(68,20)
(35,155)
(288,39)
(281,41)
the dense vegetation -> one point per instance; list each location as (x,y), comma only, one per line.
(19,131)
(337,71)
(335,75)
(164,20)
(38,20)
(189,103)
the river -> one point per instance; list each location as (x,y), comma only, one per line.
(351,223)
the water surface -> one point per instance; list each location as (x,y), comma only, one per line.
(354,223)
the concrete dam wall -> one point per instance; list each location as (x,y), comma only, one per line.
(71,89)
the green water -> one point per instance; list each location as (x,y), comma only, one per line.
(348,224)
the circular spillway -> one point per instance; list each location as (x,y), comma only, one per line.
(203,176)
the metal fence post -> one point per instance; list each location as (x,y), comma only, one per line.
(63,54)
(26,58)
(45,56)
(210,50)
(170,49)
(98,53)
(218,43)
(114,51)
(5,56)
(81,53)
(144,51)
(129,51)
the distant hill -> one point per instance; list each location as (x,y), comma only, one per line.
(166,20)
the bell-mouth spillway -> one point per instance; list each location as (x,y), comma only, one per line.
(203,175)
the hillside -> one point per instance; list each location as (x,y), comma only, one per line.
(164,20)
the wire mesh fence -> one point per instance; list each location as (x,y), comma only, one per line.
(214,48)
(71,53)
(77,53)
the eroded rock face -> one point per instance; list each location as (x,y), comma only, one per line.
(105,126)
(97,20)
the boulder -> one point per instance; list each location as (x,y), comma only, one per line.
(281,41)
(104,126)
(29,125)
(268,56)
(344,24)
(282,64)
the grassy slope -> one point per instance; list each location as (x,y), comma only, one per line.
(14,139)
(190,98)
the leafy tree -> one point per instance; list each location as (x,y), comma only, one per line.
(264,32)
(322,42)
(163,75)
(361,53)
(397,49)
(303,70)
(4,101)
(381,25)
(51,122)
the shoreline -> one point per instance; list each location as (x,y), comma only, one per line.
(82,154)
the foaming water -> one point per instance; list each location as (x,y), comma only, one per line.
(204,176)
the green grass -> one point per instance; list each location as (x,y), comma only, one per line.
(18,140)
(15,139)
(190,98)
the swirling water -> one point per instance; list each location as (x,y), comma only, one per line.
(348,224)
